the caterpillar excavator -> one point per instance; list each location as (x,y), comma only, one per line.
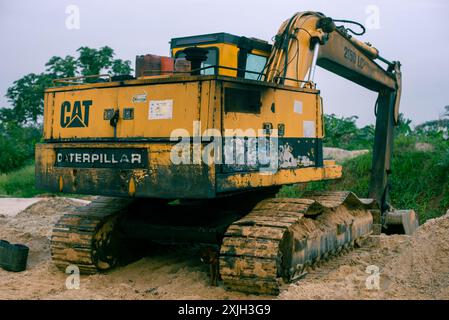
(199,155)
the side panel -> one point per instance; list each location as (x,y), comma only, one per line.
(292,109)
(294,117)
(157,110)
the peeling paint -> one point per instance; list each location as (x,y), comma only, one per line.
(140,175)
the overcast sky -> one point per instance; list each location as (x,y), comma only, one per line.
(412,31)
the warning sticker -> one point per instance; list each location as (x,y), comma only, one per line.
(160,109)
(140,98)
(309,129)
(297,107)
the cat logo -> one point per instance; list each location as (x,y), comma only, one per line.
(76,116)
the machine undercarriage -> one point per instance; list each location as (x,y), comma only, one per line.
(260,248)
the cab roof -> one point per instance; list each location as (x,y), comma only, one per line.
(222,37)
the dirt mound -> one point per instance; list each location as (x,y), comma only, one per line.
(410,267)
(415,267)
(32,226)
(423,263)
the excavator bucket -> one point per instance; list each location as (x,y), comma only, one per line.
(401,222)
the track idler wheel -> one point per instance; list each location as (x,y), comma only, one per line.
(89,237)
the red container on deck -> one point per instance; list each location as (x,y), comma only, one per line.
(167,65)
(148,65)
(153,65)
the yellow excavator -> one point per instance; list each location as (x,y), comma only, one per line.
(198,153)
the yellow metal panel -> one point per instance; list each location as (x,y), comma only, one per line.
(62,122)
(204,101)
(186,109)
(291,108)
(185,98)
(238,181)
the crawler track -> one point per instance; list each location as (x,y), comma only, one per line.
(87,237)
(272,245)
(281,238)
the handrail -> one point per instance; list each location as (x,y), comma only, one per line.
(217,67)
(68,80)
(165,72)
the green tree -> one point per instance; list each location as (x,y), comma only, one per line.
(101,61)
(26,95)
(17,145)
(59,67)
(446,111)
(342,132)
(403,126)
(436,128)
(94,61)
(120,67)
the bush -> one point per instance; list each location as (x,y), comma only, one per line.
(344,133)
(19,183)
(16,146)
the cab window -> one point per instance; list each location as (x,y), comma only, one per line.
(255,63)
(212,60)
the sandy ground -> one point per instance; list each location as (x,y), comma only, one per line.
(11,207)
(414,267)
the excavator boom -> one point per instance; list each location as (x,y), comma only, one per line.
(309,39)
(348,58)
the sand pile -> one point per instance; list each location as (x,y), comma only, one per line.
(33,226)
(410,267)
(423,262)
(415,267)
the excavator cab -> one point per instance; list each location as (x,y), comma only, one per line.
(227,54)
